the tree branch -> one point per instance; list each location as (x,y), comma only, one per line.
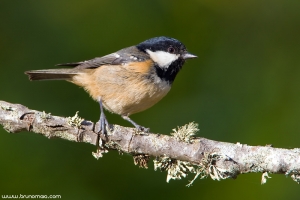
(178,154)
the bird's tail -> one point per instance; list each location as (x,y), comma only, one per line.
(52,74)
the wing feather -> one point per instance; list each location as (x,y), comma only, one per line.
(120,57)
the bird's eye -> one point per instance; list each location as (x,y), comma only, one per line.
(171,50)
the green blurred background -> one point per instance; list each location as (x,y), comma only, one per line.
(244,87)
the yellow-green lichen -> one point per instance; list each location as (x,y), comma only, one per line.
(99,153)
(207,167)
(141,160)
(45,116)
(186,133)
(295,175)
(176,168)
(75,121)
(264,177)
(112,145)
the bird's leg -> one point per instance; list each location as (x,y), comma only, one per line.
(102,121)
(138,127)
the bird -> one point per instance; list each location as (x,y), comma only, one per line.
(127,81)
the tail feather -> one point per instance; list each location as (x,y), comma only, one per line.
(52,74)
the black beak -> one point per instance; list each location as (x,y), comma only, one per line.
(188,55)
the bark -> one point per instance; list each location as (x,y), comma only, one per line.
(178,155)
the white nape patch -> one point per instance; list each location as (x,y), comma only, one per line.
(117,55)
(162,58)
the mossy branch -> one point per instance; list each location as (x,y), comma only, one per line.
(179,154)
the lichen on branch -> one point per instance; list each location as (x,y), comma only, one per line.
(180,154)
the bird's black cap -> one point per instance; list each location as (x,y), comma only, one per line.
(161,44)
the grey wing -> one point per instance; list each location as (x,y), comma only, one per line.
(111,59)
(120,57)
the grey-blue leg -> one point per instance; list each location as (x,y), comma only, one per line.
(102,121)
(139,127)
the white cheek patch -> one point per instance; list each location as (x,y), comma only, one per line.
(162,58)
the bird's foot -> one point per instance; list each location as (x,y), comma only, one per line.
(103,124)
(141,130)
(102,128)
